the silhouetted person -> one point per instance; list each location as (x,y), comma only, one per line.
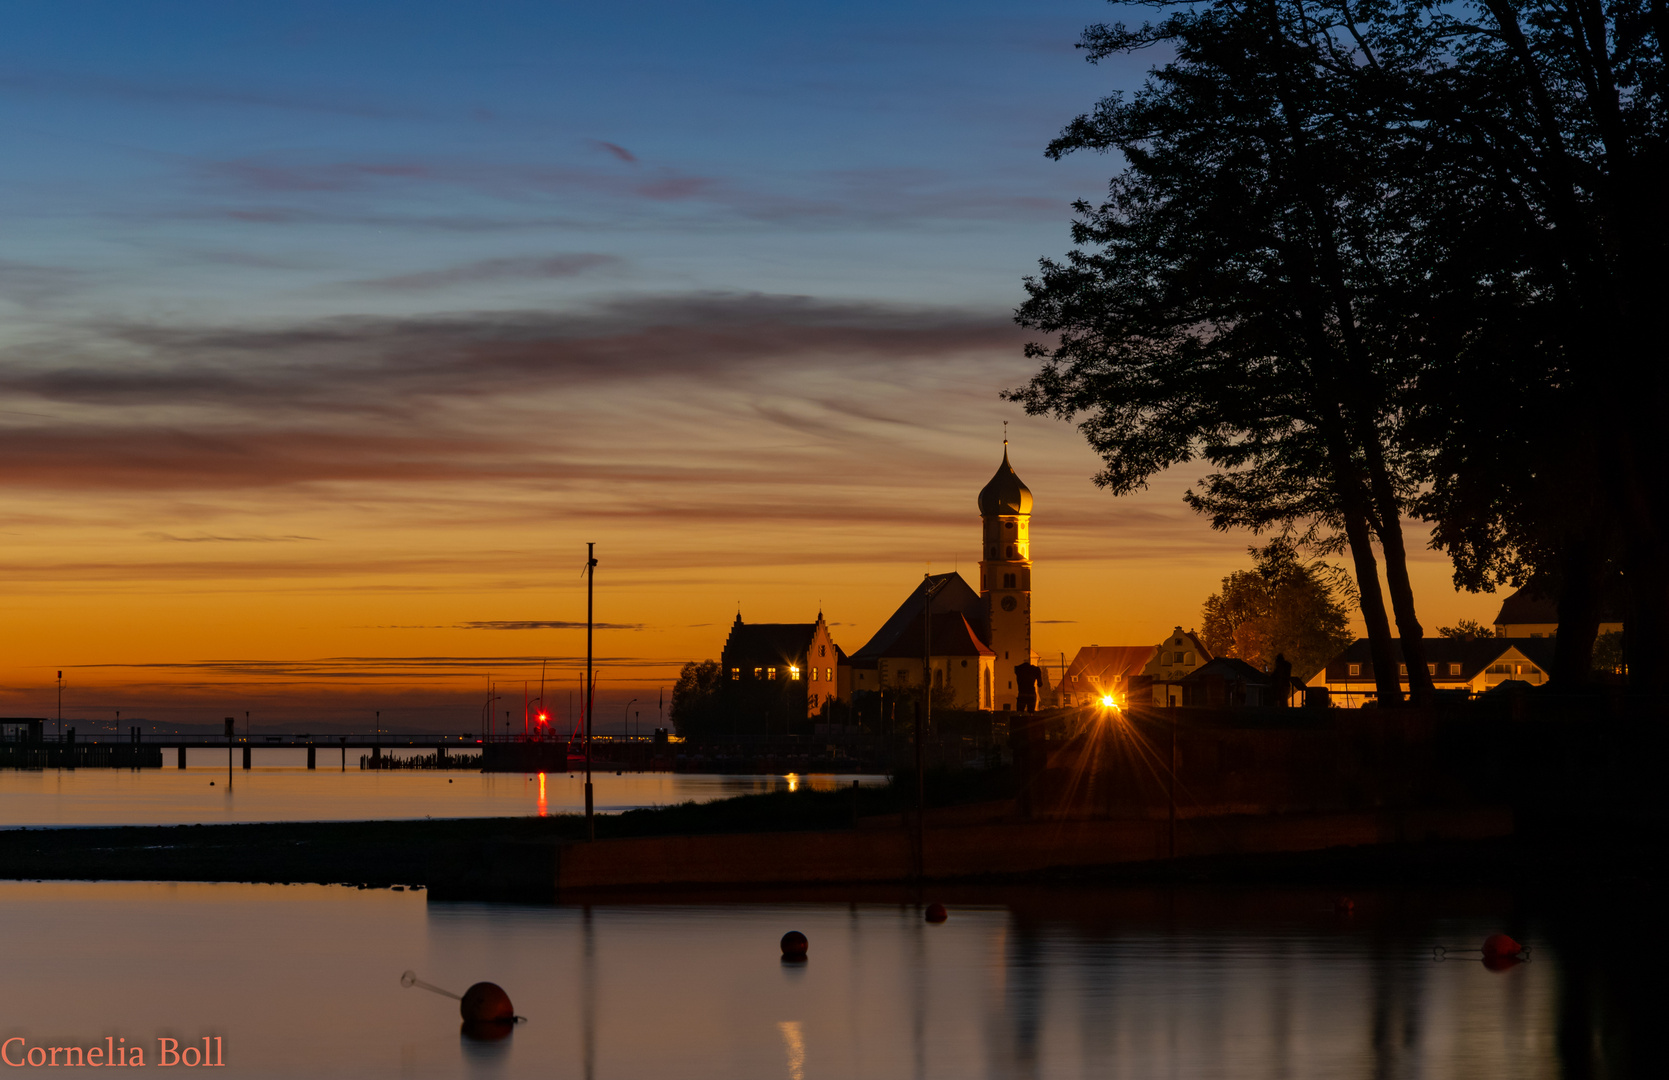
(1026,678)
(1280,681)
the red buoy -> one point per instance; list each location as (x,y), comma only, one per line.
(937,913)
(486,1003)
(1498,946)
(794,945)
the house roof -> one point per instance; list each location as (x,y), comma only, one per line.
(766,641)
(1227,667)
(952,636)
(1537,603)
(953,595)
(1106,664)
(1472,656)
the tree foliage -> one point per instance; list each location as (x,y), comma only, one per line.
(1366,259)
(696,708)
(1283,607)
(1466,630)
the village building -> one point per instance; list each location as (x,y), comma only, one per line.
(978,637)
(1173,660)
(1103,674)
(1533,612)
(795,664)
(1471,666)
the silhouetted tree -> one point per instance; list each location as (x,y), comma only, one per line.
(1283,606)
(696,709)
(1466,630)
(1240,296)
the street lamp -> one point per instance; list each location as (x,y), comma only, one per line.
(626,716)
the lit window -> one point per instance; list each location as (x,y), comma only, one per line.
(793,673)
(735,674)
(1355,670)
(813,674)
(757,672)
(1431,668)
(1454,669)
(1074,678)
(770,673)
(1402,669)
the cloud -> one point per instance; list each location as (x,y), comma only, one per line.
(470,396)
(509,269)
(28,284)
(545,625)
(616,149)
(205,539)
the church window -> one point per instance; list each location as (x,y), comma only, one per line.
(1011,684)
(1008,581)
(735,674)
(1008,524)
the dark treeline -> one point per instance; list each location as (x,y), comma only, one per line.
(1380,260)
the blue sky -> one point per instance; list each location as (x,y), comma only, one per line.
(331,333)
(311,158)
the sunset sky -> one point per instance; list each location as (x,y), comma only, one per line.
(332,331)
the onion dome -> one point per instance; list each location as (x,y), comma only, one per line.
(1005,494)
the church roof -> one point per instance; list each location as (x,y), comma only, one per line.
(952,636)
(953,595)
(1005,494)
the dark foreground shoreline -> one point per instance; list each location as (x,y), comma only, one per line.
(380,854)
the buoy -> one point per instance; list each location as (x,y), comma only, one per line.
(211,783)
(1344,905)
(794,945)
(1498,946)
(937,913)
(486,1003)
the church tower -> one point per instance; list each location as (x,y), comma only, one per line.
(1005,577)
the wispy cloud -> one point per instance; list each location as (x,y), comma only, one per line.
(528,268)
(207,539)
(616,149)
(544,624)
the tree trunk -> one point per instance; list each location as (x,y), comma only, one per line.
(1582,574)
(1354,511)
(1421,688)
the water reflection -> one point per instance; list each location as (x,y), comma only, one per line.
(207,795)
(303,980)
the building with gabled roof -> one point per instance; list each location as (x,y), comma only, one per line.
(1102,671)
(1533,612)
(1469,665)
(796,665)
(1173,659)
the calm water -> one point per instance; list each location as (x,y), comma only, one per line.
(184,796)
(304,981)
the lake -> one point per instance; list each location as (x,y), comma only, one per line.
(199,795)
(1200,983)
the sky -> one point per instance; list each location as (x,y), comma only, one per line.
(330,333)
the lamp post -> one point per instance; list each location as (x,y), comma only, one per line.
(626,717)
(590,684)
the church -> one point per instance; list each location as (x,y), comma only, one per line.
(969,641)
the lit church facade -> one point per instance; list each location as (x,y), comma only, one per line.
(973,639)
(969,641)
